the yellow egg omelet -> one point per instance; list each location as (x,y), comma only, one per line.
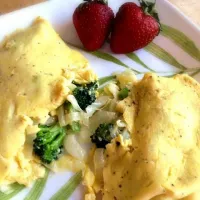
(36,68)
(161,160)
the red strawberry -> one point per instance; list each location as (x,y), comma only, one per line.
(134,27)
(92,20)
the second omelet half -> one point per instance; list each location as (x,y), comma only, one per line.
(161,160)
(36,68)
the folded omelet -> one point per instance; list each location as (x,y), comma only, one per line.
(161,161)
(36,68)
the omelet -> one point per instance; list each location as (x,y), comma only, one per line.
(36,70)
(161,159)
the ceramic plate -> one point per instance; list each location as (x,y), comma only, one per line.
(175,50)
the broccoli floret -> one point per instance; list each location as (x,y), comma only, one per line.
(123,93)
(102,135)
(85,94)
(48,143)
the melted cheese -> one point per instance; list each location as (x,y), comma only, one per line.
(36,67)
(161,161)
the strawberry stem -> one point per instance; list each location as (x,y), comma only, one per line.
(149,8)
(104,2)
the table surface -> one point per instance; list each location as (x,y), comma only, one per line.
(189,7)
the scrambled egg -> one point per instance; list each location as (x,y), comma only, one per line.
(36,68)
(161,160)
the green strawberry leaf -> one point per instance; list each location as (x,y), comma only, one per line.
(149,8)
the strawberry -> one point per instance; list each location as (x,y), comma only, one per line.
(134,27)
(92,20)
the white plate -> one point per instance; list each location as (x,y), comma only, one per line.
(180,38)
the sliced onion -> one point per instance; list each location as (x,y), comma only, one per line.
(50,121)
(84,135)
(61,116)
(101,117)
(72,146)
(84,119)
(74,102)
(100,102)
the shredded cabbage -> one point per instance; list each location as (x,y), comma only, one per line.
(100,112)
(72,116)
(61,116)
(74,102)
(100,102)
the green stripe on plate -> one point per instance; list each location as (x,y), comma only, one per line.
(15,189)
(181,40)
(37,188)
(66,191)
(195,73)
(105,56)
(106,79)
(135,58)
(160,53)
(110,58)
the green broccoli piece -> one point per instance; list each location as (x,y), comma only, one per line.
(102,135)
(85,94)
(48,143)
(123,93)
